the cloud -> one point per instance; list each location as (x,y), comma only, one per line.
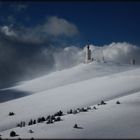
(7,31)
(22,61)
(58,26)
(67,57)
(41,33)
(26,52)
(120,52)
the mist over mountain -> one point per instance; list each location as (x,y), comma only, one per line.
(20,61)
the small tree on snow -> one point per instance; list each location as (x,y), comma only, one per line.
(75,126)
(13,134)
(117,102)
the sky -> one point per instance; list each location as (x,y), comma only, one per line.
(97,22)
(40,37)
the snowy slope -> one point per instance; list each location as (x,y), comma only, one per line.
(105,82)
(71,75)
(108,121)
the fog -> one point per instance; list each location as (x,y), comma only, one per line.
(28,61)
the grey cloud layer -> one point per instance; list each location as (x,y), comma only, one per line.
(20,63)
(57,26)
(54,27)
(118,52)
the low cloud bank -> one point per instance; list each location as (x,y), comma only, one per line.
(25,62)
(117,52)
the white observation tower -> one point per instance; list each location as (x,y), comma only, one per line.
(88,55)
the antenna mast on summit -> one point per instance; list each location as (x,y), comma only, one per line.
(102,55)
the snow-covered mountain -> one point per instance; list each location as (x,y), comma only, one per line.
(80,86)
(75,74)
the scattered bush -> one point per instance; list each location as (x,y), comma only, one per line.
(84,109)
(88,108)
(42,119)
(57,119)
(23,124)
(52,117)
(69,112)
(18,125)
(75,126)
(13,134)
(11,113)
(48,117)
(75,112)
(30,122)
(59,113)
(38,120)
(117,102)
(31,131)
(94,107)
(102,102)
(34,121)
(49,121)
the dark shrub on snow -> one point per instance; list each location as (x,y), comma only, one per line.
(30,122)
(48,117)
(69,112)
(49,121)
(94,107)
(34,121)
(43,119)
(75,112)
(57,119)
(31,131)
(11,113)
(38,120)
(52,117)
(117,102)
(75,126)
(59,113)
(88,108)
(23,123)
(84,109)
(102,102)
(18,125)
(13,134)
